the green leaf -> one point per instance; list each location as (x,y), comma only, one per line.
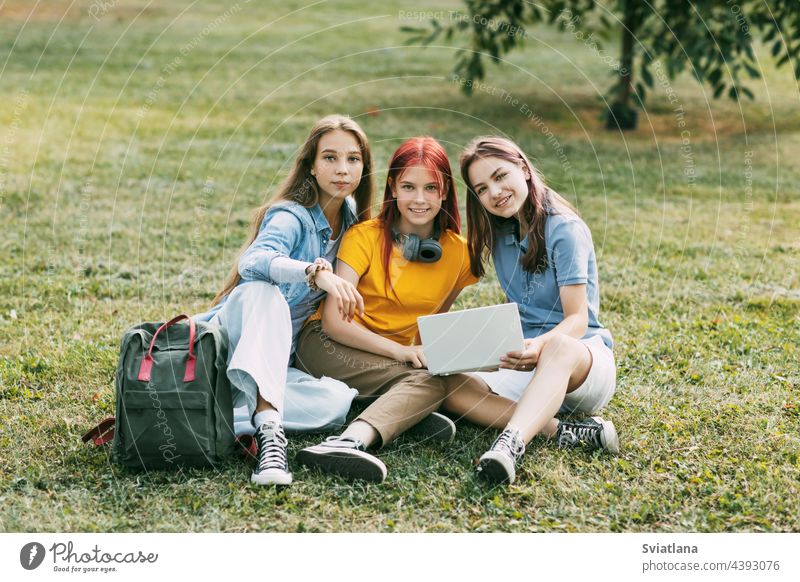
(647,77)
(752,71)
(641,92)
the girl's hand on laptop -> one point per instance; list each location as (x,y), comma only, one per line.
(413,355)
(526,359)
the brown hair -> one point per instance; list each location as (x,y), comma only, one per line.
(301,187)
(482,226)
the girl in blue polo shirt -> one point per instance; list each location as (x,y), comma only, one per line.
(545,262)
(282,275)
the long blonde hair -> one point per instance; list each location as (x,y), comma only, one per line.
(301,187)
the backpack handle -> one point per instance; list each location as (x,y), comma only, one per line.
(147,361)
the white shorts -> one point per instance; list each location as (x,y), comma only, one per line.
(591,396)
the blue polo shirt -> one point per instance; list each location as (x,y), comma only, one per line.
(570,261)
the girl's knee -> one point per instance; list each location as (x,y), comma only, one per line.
(256,290)
(262,294)
(431,384)
(461,389)
(563,348)
(460,384)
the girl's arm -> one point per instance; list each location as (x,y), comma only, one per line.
(352,334)
(575,301)
(341,294)
(269,258)
(278,237)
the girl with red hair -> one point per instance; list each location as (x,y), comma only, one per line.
(409,262)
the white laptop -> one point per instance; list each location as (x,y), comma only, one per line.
(470,340)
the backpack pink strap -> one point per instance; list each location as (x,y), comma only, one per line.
(147,362)
(101,434)
(248,446)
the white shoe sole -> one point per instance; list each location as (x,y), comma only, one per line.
(496,468)
(609,437)
(272,477)
(348,463)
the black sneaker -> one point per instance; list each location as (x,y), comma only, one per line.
(434,427)
(498,464)
(593,434)
(272,467)
(343,456)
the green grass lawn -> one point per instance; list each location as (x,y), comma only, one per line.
(135,140)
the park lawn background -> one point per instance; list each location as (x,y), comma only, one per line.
(127,186)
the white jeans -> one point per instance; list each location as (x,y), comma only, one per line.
(256,317)
(259,326)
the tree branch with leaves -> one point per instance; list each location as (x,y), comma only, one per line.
(713,39)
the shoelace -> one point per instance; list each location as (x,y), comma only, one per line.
(573,434)
(272,445)
(356,443)
(510,443)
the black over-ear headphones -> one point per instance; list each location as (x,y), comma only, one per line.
(415,249)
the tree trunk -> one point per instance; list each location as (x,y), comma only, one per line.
(622,114)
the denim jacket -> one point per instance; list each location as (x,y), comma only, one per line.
(288,230)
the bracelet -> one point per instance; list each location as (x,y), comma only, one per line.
(319,264)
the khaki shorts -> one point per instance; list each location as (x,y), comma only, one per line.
(590,397)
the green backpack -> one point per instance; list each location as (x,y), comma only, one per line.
(174,403)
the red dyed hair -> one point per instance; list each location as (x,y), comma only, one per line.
(429,153)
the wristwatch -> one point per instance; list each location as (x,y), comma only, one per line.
(319,264)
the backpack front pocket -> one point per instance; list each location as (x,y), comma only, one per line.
(167,429)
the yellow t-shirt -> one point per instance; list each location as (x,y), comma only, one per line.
(419,288)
